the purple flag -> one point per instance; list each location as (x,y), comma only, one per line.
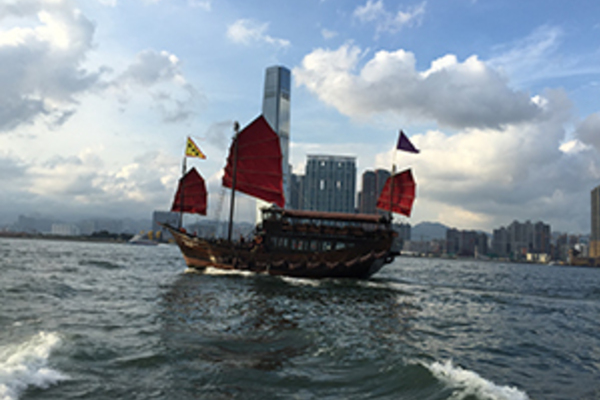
(405,144)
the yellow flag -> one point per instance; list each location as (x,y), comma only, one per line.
(191,150)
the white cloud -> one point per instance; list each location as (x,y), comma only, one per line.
(109,3)
(42,61)
(589,131)
(386,21)
(482,178)
(85,182)
(529,58)
(204,4)
(455,94)
(371,11)
(506,159)
(151,67)
(159,74)
(246,31)
(327,34)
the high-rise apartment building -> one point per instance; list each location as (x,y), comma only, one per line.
(330,183)
(595,238)
(372,184)
(518,239)
(276,110)
(466,243)
(296,200)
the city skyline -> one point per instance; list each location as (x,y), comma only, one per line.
(499,96)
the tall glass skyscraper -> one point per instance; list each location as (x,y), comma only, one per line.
(330,183)
(276,110)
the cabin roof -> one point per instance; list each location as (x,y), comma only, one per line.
(337,216)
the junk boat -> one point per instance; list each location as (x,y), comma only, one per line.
(306,244)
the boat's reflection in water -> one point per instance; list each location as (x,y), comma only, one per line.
(220,329)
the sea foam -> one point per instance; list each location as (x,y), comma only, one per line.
(25,364)
(468,384)
(219,271)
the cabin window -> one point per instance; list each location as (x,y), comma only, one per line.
(314,245)
(326,246)
(340,245)
(322,184)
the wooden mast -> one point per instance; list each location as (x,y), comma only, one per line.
(236,128)
(392,191)
(181,183)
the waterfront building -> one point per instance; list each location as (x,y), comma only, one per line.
(372,184)
(404,231)
(330,183)
(518,239)
(466,243)
(33,224)
(594,248)
(65,229)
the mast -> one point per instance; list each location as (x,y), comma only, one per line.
(236,129)
(392,191)
(183,170)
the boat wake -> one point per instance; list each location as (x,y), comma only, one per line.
(469,385)
(26,364)
(218,271)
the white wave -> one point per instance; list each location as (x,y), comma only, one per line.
(290,280)
(220,271)
(469,384)
(25,364)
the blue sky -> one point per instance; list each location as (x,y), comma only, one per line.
(500,96)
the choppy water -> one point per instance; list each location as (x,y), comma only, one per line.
(108,321)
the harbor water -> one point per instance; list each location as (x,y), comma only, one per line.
(81,320)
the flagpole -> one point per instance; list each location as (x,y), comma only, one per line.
(392,184)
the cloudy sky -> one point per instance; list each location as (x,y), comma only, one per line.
(501,96)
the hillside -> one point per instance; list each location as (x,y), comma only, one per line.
(426,231)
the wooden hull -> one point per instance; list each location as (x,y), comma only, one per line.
(359,262)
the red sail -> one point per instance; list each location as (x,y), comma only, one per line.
(194,194)
(259,171)
(403,196)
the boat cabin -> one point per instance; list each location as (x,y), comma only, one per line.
(314,231)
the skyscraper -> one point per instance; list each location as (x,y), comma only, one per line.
(595,239)
(276,110)
(296,195)
(330,183)
(372,184)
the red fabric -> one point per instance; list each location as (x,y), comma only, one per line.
(404,193)
(194,194)
(259,172)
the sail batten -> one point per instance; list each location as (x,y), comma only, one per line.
(403,196)
(259,171)
(191,194)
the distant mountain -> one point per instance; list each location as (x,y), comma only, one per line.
(426,231)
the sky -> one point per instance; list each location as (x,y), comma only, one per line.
(502,97)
